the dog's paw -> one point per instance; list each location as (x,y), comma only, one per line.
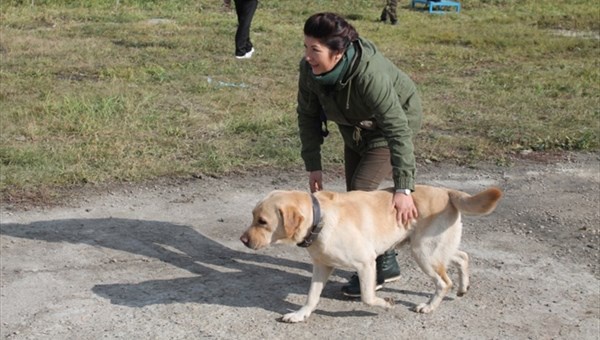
(462,292)
(294,317)
(390,302)
(423,308)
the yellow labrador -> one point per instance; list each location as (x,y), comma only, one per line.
(349,230)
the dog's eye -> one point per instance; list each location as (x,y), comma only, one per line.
(262,221)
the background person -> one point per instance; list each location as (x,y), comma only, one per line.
(390,11)
(244,10)
(345,79)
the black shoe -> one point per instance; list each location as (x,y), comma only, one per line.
(352,289)
(394,22)
(387,271)
(387,267)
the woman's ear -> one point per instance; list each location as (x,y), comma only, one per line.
(338,56)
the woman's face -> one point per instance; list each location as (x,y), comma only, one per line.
(320,57)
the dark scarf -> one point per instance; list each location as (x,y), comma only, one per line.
(338,72)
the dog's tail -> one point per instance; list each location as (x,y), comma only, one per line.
(482,203)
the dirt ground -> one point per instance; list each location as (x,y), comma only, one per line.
(163,261)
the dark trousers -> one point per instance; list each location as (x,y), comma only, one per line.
(366,172)
(390,10)
(245,10)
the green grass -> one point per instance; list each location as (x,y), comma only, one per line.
(108,91)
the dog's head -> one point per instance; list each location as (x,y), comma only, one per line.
(280,217)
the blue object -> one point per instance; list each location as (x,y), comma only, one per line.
(437,6)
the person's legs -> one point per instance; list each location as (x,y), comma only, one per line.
(384,15)
(393,11)
(390,11)
(366,173)
(245,10)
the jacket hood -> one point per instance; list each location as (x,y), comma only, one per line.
(365,52)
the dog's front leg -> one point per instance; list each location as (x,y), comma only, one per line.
(320,275)
(368,279)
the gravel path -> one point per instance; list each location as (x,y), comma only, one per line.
(164,262)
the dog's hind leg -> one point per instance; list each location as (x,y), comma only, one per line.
(442,285)
(320,275)
(461,260)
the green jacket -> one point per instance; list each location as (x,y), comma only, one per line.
(373,89)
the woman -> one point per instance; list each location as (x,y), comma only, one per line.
(345,79)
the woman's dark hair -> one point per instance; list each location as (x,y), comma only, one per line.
(331,30)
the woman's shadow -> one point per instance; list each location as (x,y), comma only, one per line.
(220,275)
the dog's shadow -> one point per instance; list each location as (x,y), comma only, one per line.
(219,275)
(408,304)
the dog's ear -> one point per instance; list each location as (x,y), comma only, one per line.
(292,219)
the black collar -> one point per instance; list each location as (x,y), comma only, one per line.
(316,226)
